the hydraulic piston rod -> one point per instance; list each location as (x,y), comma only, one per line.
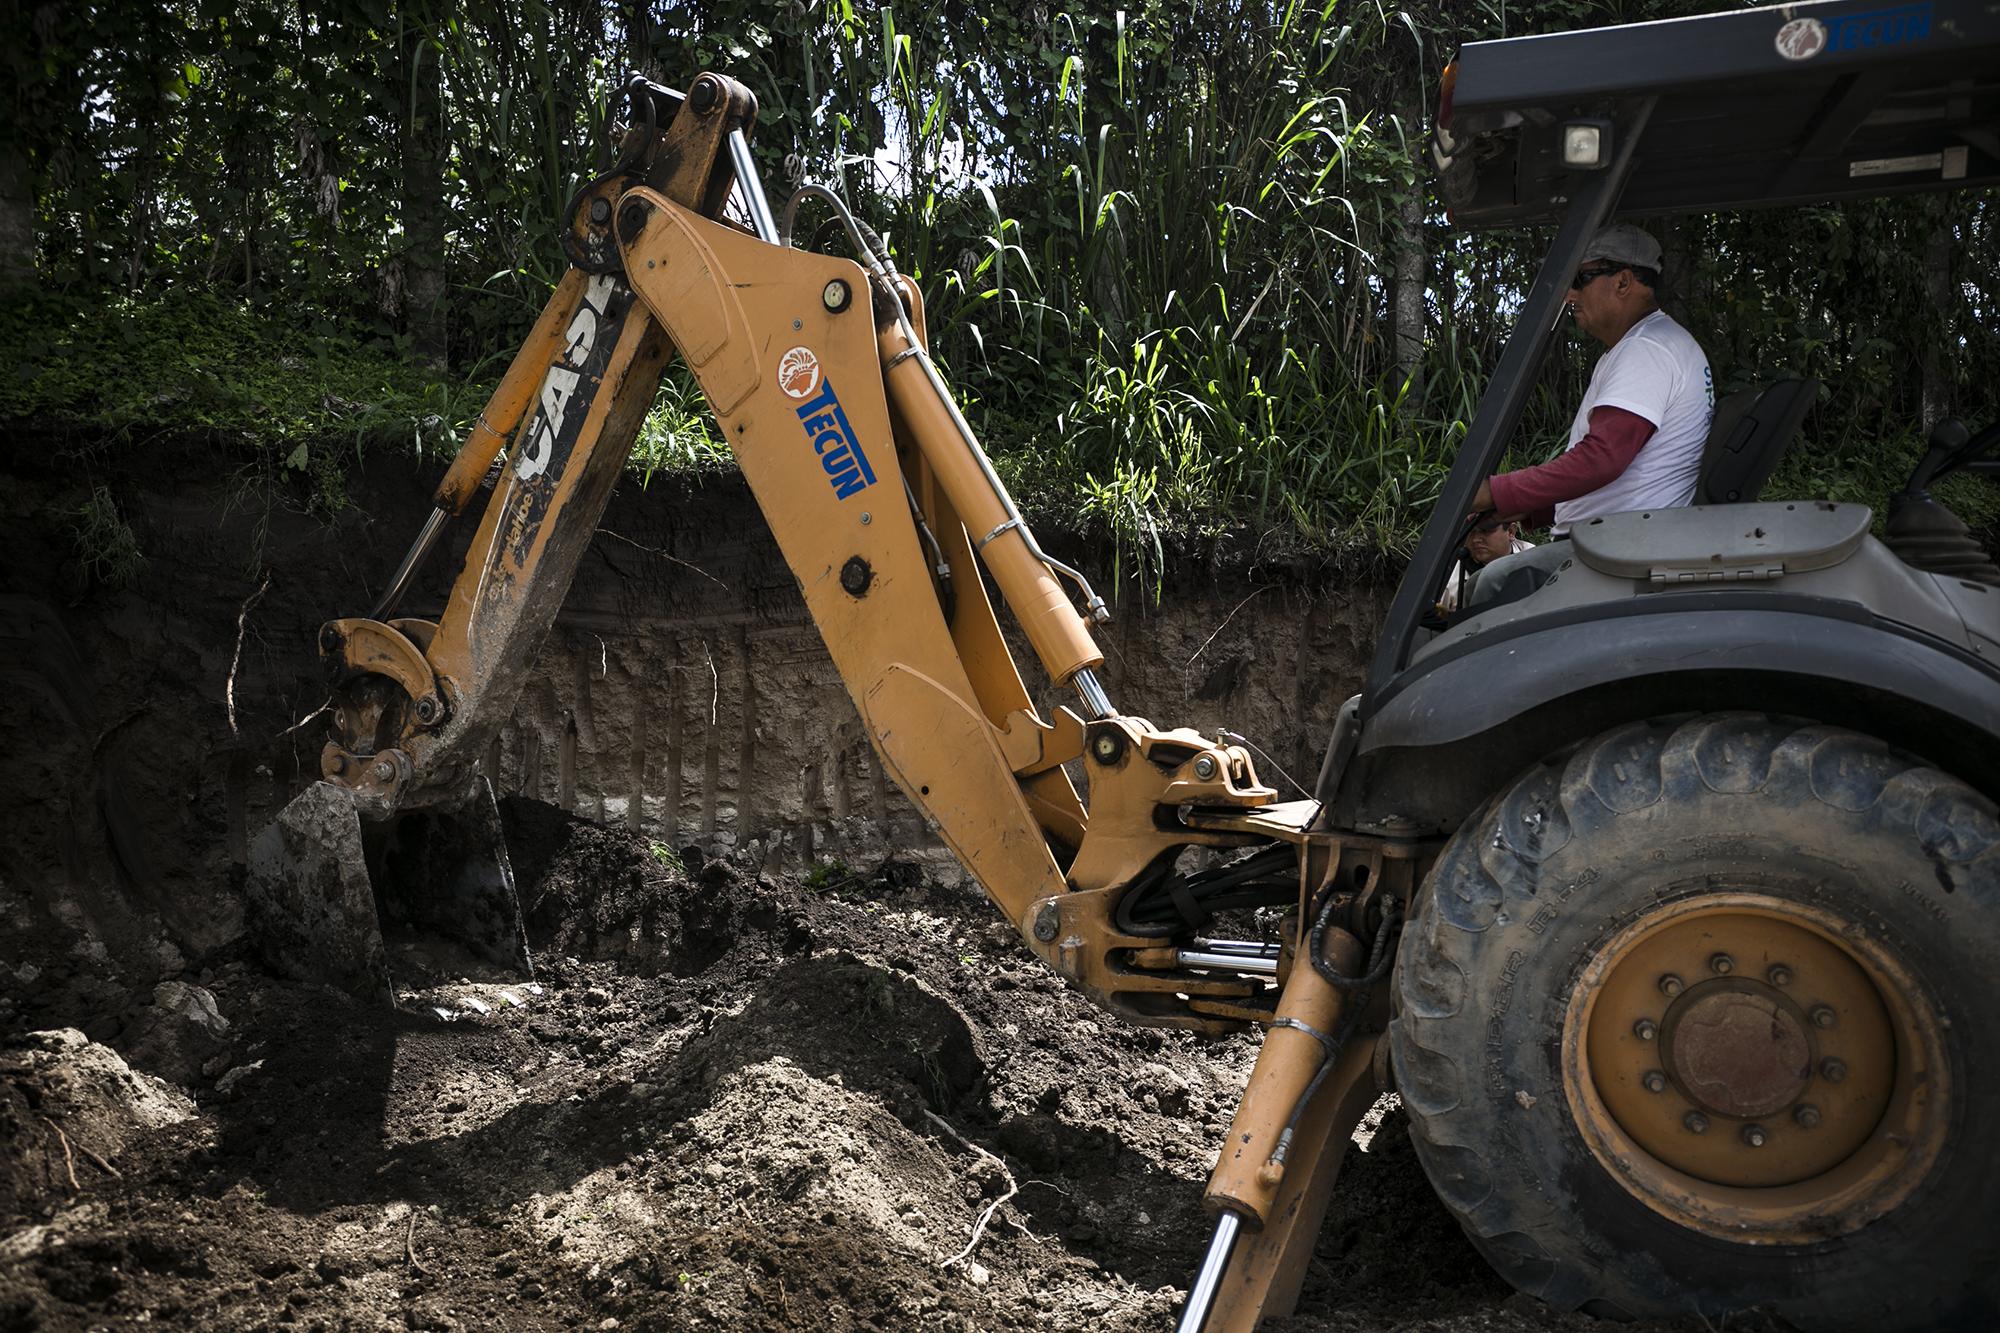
(1255,964)
(1202,1295)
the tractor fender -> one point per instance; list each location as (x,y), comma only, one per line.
(1458,724)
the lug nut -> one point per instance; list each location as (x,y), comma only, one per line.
(1722,964)
(1654,1081)
(1754,1135)
(1645,1029)
(1670,985)
(1780,975)
(1696,1122)
(1807,1115)
(383,771)
(1823,1017)
(1832,1070)
(1204,767)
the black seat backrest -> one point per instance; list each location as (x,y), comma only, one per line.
(1748,437)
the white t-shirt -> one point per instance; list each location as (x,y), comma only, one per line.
(1657,371)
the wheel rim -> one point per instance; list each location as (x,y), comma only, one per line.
(1756,1068)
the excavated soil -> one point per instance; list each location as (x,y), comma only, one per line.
(727,1101)
(776,1093)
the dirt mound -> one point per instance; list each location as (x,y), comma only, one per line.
(729,1101)
(588,891)
(66,1105)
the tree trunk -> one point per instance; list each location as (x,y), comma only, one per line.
(17,217)
(1674,271)
(1412,271)
(424,163)
(1940,232)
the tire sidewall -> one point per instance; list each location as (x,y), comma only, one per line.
(1548,872)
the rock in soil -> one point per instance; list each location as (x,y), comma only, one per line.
(68,1108)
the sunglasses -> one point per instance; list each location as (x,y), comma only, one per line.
(1587,276)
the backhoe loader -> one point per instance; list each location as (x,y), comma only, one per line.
(1686,864)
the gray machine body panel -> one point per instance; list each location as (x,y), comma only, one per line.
(1721,542)
(1788,608)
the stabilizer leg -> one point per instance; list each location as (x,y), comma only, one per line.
(1266,1268)
(1275,1173)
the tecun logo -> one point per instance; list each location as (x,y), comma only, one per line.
(825,422)
(568,390)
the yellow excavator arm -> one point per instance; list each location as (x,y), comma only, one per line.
(886,508)
(881,499)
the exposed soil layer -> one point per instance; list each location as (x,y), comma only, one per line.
(728,1101)
(149,730)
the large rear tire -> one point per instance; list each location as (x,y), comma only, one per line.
(1704,1016)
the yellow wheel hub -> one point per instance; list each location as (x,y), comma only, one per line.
(1756,1068)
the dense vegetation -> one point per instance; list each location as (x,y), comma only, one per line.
(1183,261)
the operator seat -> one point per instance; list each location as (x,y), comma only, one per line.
(1747,438)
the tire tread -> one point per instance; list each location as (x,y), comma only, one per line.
(1495,864)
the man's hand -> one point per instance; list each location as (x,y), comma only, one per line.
(1482,501)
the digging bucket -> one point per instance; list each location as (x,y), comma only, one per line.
(369,904)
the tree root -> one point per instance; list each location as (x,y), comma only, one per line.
(986,1214)
(69,1160)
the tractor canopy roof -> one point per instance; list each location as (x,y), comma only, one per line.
(1793,103)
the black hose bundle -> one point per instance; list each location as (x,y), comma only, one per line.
(1161,902)
(1380,957)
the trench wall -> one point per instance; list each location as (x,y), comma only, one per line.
(685,693)
(147,732)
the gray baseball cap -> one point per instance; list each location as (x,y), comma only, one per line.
(1624,244)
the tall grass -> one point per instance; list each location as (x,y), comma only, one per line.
(1159,242)
(1195,280)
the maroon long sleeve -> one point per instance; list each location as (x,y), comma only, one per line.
(1615,438)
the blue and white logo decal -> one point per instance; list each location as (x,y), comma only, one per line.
(1804,38)
(840,454)
(1879,27)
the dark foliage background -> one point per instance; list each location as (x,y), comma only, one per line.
(1183,261)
